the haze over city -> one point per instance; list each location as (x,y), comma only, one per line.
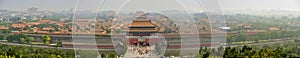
(292,5)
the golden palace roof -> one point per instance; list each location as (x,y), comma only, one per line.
(155,30)
(142,23)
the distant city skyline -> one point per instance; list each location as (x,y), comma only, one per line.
(115,4)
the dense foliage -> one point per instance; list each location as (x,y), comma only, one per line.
(247,52)
(242,36)
(262,22)
(274,50)
(46,39)
(9,51)
(30,52)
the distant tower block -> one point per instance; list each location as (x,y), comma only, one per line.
(33,9)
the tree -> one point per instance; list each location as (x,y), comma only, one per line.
(284,34)
(203,29)
(255,38)
(29,40)
(1,37)
(242,36)
(10,51)
(59,44)
(17,37)
(5,33)
(204,52)
(11,38)
(22,40)
(51,30)
(111,56)
(22,36)
(247,52)
(262,35)
(31,30)
(273,35)
(46,39)
(229,39)
(220,50)
(206,55)
(26,28)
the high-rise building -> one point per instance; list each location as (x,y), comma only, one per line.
(70,13)
(32,9)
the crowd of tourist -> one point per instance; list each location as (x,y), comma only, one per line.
(141,47)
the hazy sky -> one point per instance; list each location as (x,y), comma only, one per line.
(147,4)
(261,4)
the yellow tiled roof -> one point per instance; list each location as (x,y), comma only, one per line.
(142,23)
